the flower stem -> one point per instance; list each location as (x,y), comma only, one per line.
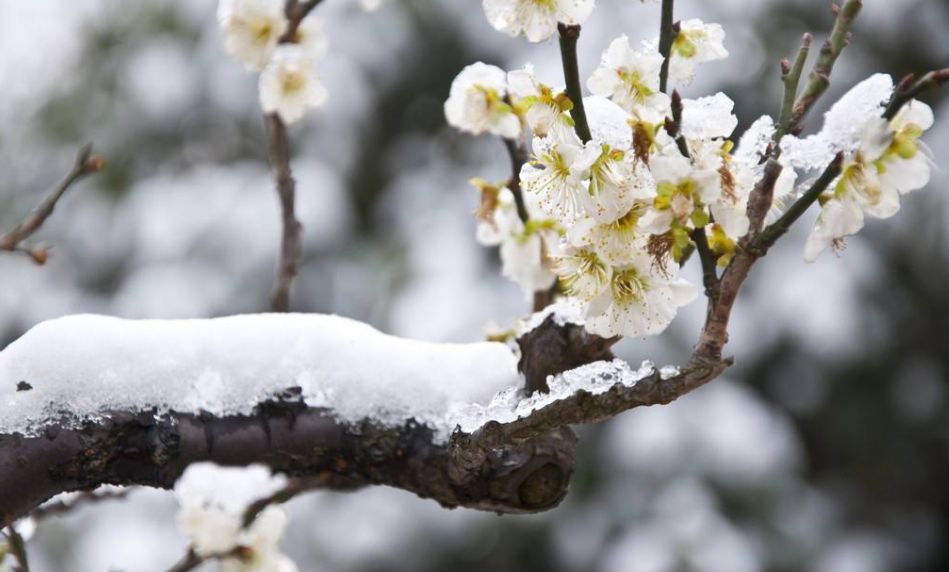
(571,73)
(667,34)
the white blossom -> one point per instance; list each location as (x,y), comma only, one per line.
(252,29)
(525,248)
(582,272)
(614,241)
(614,181)
(370,5)
(628,77)
(311,37)
(477,102)
(289,85)
(536,20)
(642,299)
(696,43)
(544,108)
(889,162)
(559,189)
(213,501)
(682,193)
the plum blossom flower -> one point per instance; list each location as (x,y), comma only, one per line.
(289,85)
(536,20)
(642,299)
(525,247)
(252,29)
(614,241)
(629,77)
(581,271)
(889,162)
(311,37)
(544,108)
(682,193)
(477,102)
(212,503)
(559,189)
(696,43)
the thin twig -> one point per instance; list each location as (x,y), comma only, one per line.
(674,126)
(17,550)
(279,147)
(909,89)
(85,164)
(778,228)
(518,154)
(707,258)
(819,79)
(667,34)
(296,11)
(279,151)
(791,76)
(571,73)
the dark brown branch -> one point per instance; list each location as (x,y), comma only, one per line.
(668,30)
(571,73)
(708,260)
(85,164)
(303,442)
(518,155)
(279,146)
(296,11)
(778,228)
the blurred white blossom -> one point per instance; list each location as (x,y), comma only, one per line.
(289,85)
(478,102)
(252,29)
(536,20)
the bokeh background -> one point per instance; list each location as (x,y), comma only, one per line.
(826,448)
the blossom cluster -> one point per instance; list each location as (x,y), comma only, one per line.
(883,160)
(609,220)
(213,501)
(255,34)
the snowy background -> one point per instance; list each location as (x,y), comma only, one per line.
(826,448)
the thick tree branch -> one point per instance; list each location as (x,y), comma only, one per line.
(303,442)
(85,164)
(571,73)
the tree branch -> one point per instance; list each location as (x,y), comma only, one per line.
(85,164)
(791,77)
(290,249)
(707,258)
(909,89)
(668,30)
(17,549)
(819,79)
(571,73)
(518,155)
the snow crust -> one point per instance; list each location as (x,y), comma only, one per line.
(843,124)
(79,368)
(595,378)
(565,311)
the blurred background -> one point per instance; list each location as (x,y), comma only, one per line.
(825,448)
